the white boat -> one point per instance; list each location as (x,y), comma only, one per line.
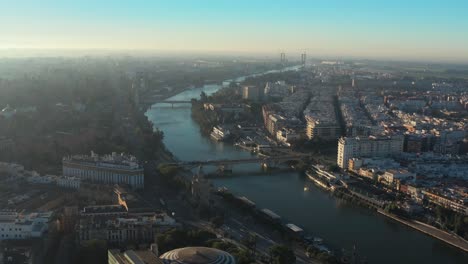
(319,182)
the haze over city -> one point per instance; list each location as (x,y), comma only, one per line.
(421,30)
(233,132)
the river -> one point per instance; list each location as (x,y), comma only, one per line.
(340,224)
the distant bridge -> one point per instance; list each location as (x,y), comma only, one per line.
(226,164)
(172,102)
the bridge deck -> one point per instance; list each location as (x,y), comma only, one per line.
(240,161)
(174,102)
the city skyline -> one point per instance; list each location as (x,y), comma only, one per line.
(420,30)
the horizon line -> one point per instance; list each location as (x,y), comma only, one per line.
(257,53)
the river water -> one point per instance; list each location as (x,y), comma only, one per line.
(340,224)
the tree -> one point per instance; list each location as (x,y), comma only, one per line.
(93,251)
(177,238)
(334,168)
(217,221)
(203,97)
(281,254)
(243,257)
(250,242)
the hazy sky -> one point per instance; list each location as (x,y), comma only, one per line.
(397,29)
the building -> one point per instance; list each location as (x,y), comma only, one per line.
(105,210)
(453,203)
(16,226)
(372,146)
(394,177)
(190,255)
(115,256)
(119,230)
(251,93)
(273,123)
(69,182)
(12,170)
(322,129)
(287,135)
(107,169)
(321,119)
(277,89)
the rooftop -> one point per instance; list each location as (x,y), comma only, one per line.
(117,161)
(197,255)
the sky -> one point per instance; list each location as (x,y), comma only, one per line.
(397,29)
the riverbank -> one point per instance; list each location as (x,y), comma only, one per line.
(446,237)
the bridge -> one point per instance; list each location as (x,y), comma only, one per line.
(172,102)
(226,164)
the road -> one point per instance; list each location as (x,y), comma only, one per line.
(237,226)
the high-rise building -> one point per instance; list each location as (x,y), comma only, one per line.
(250,92)
(372,146)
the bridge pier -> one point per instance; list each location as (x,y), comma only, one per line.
(224,169)
(269,164)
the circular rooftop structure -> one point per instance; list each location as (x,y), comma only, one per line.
(197,255)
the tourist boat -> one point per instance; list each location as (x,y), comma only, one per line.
(318,181)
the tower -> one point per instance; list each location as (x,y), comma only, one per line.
(303,58)
(283,58)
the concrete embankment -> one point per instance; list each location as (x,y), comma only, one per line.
(448,238)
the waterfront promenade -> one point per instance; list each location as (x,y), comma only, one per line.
(451,239)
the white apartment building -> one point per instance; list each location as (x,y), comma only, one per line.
(15,226)
(107,169)
(372,146)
